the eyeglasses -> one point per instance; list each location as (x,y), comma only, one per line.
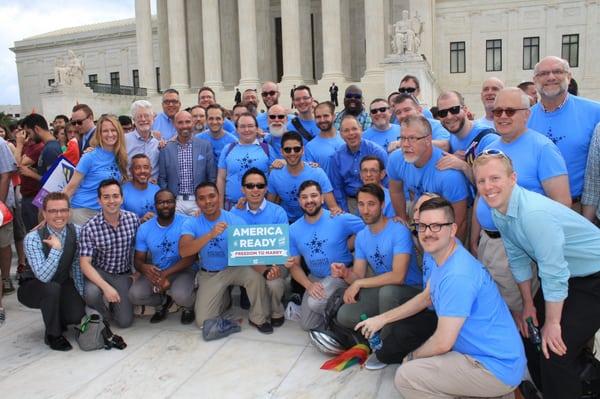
(356,96)
(434,227)
(370,171)
(79,122)
(166,202)
(555,72)
(374,111)
(170,102)
(273,117)
(268,93)
(252,186)
(288,150)
(442,113)
(412,139)
(508,111)
(409,90)
(57,211)
(302,98)
(240,127)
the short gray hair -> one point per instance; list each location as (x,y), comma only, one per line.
(564,63)
(138,105)
(522,95)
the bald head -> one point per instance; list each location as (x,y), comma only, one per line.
(489,89)
(183,125)
(269,93)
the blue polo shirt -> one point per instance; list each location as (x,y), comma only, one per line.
(95,166)
(379,250)
(462,287)
(325,241)
(165,126)
(285,185)
(137,201)
(161,241)
(451,184)
(382,137)
(321,150)
(267,213)
(214,254)
(570,127)
(535,158)
(563,243)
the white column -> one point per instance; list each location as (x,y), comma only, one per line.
(212,44)
(193,15)
(290,26)
(248,45)
(163,44)
(177,45)
(375,32)
(143,35)
(332,41)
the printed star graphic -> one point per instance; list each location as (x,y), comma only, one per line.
(293,193)
(378,259)
(551,136)
(166,247)
(216,242)
(316,245)
(246,162)
(114,172)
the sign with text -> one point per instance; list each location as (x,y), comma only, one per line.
(55,179)
(261,244)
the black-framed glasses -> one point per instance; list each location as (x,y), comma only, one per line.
(442,113)
(273,117)
(408,90)
(355,96)
(57,211)
(411,140)
(268,93)
(288,150)
(166,202)
(434,227)
(374,111)
(252,186)
(497,112)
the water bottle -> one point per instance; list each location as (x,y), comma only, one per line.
(534,334)
(375,340)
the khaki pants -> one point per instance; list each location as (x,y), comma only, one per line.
(212,290)
(451,375)
(80,216)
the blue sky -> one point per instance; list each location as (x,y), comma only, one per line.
(21,19)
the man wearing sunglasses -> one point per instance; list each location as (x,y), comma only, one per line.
(353,105)
(82,118)
(270,96)
(277,120)
(410,85)
(381,131)
(284,182)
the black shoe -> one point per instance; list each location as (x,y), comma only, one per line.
(277,321)
(187,316)
(264,328)
(244,300)
(59,343)
(162,313)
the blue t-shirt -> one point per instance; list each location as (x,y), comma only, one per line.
(263,121)
(165,126)
(237,160)
(535,158)
(229,127)
(570,127)
(95,166)
(379,250)
(388,207)
(309,125)
(451,184)
(321,151)
(137,201)
(268,213)
(49,154)
(217,144)
(438,131)
(462,287)
(274,142)
(214,254)
(382,137)
(325,241)
(458,144)
(285,185)
(161,241)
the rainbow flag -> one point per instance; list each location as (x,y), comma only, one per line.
(356,355)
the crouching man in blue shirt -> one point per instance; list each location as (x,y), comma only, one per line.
(475,350)
(566,248)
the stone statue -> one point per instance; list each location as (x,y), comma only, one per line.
(406,34)
(69,74)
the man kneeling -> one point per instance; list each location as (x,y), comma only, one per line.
(475,350)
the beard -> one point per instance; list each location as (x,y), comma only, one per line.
(277,132)
(315,212)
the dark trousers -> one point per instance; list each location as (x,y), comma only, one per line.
(558,376)
(404,336)
(60,304)
(29,213)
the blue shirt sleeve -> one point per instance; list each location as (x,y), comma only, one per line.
(140,238)
(456,296)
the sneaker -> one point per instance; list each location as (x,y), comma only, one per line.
(264,328)
(8,287)
(59,343)
(163,311)
(292,312)
(2,317)
(277,321)
(187,316)
(373,363)
(219,328)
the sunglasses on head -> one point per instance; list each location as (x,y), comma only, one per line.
(381,109)
(493,152)
(268,93)
(355,96)
(288,150)
(497,112)
(409,90)
(252,186)
(442,113)
(273,116)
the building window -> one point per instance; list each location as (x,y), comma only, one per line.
(493,55)
(136,78)
(115,81)
(158,79)
(457,57)
(570,49)
(531,52)
(50,82)
(93,78)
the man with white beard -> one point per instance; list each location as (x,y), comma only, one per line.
(277,127)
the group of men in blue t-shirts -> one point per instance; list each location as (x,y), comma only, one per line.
(460,240)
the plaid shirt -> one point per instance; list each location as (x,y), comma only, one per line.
(363,118)
(110,248)
(184,168)
(591,184)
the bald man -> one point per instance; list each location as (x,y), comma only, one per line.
(489,90)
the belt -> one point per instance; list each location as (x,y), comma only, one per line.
(186,197)
(209,271)
(492,234)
